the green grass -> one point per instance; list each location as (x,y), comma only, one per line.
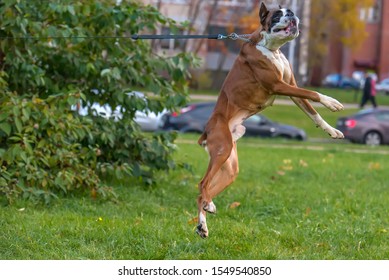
(297,201)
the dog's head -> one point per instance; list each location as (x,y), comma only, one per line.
(278,23)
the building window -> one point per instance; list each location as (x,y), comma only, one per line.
(372,14)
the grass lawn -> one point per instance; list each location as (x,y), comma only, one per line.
(296,201)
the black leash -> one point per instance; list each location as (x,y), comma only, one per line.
(167,36)
(232,36)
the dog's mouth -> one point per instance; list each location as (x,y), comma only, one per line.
(290,28)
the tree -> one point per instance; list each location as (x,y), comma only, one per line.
(335,20)
(54,54)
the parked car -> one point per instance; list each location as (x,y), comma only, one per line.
(383,86)
(148,121)
(341,81)
(370,126)
(194,117)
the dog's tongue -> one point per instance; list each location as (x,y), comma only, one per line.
(292,26)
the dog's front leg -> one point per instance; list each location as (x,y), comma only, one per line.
(282,88)
(307,108)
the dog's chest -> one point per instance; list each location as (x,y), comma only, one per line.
(279,61)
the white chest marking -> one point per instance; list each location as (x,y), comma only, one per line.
(279,60)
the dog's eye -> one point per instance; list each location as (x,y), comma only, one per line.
(289,13)
(277,16)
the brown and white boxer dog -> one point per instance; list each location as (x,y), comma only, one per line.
(259,74)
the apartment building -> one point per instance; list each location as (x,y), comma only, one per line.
(373,54)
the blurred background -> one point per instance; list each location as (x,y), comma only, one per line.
(340,40)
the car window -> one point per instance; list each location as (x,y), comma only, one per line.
(363,113)
(383,116)
(254,119)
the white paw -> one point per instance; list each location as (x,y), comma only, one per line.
(334,133)
(331,103)
(202,230)
(210,208)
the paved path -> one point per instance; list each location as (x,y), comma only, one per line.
(278,101)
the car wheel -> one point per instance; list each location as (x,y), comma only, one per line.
(372,138)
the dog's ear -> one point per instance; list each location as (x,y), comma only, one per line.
(263,12)
(280,6)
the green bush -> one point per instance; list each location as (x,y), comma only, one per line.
(46,149)
(41,154)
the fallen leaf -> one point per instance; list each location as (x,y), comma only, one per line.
(234,205)
(194,220)
(308,211)
(281,173)
(287,161)
(374,165)
(287,167)
(303,163)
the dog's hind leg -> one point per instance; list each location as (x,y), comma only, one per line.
(220,181)
(219,145)
(226,175)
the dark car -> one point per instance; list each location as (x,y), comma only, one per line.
(194,117)
(370,126)
(341,81)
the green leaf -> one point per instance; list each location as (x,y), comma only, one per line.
(71,10)
(18,124)
(6,128)
(3,116)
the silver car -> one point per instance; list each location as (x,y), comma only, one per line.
(148,121)
(370,126)
(383,86)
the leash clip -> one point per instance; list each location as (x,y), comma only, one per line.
(221,37)
(233,36)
